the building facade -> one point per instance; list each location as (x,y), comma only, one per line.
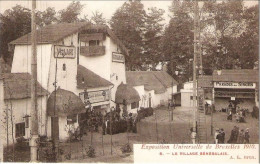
(78,58)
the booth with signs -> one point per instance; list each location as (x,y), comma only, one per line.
(235,86)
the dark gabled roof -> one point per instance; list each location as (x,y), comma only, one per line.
(88,79)
(55,32)
(127,93)
(238,75)
(18,86)
(205,81)
(52,33)
(158,81)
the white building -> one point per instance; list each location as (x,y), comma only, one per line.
(16,109)
(187,95)
(155,88)
(85,61)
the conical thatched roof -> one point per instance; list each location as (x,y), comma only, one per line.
(126,92)
(67,103)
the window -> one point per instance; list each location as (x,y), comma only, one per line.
(19,130)
(64,67)
(72,119)
(191,97)
(94,43)
(134,105)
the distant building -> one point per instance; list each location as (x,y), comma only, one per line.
(225,86)
(155,88)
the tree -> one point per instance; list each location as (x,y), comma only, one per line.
(46,17)
(71,13)
(153,36)
(98,18)
(178,40)
(15,23)
(128,23)
(222,46)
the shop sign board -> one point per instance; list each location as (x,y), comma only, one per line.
(94,96)
(234,95)
(247,85)
(118,58)
(64,52)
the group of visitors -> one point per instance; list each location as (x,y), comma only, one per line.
(237,136)
(240,114)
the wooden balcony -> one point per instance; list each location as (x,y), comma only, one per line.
(92,50)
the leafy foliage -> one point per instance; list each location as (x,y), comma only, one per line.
(71,13)
(128,23)
(98,19)
(153,36)
(91,152)
(178,40)
(126,148)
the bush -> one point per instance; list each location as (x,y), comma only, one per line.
(117,127)
(144,112)
(21,143)
(126,148)
(91,152)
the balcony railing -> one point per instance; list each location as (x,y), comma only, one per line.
(92,50)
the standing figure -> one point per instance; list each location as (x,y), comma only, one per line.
(222,135)
(216,135)
(241,137)
(232,136)
(247,136)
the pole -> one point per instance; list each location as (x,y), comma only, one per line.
(34,114)
(194,68)
(111,130)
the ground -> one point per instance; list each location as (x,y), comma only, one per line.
(176,131)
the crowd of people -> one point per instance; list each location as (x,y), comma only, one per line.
(240,113)
(237,136)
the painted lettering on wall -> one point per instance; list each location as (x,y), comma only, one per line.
(234,85)
(95,96)
(117,57)
(64,52)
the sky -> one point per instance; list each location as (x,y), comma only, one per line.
(108,8)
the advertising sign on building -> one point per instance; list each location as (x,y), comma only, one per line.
(117,57)
(247,85)
(95,96)
(64,52)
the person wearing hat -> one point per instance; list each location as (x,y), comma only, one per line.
(247,136)
(222,136)
(241,136)
(216,135)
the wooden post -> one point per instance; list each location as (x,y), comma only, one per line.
(34,114)
(194,67)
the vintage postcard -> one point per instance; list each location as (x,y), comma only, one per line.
(129,81)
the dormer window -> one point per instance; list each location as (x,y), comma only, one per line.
(94,43)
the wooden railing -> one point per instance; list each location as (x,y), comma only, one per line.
(92,50)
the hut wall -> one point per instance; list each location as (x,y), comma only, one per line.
(99,64)
(65,79)
(116,69)
(22,61)
(20,108)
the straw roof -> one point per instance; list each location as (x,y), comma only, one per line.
(158,81)
(88,79)
(18,86)
(56,32)
(126,92)
(67,103)
(238,75)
